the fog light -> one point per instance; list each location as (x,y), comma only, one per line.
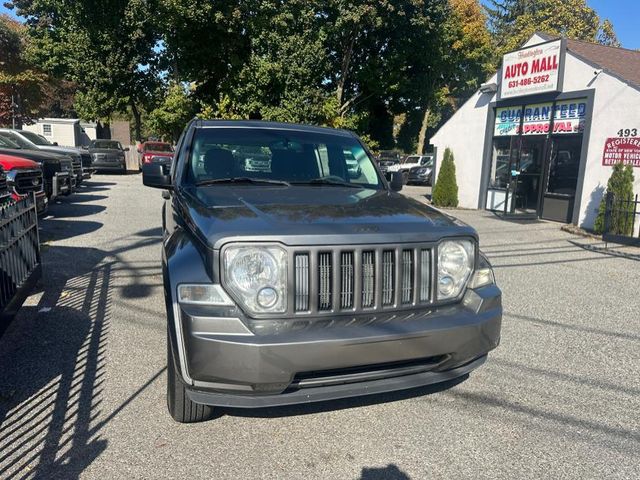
(446,286)
(267,297)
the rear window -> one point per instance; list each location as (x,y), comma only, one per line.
(106,144)
(279,154)
(158,147)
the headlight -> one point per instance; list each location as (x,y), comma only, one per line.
(257,277)
(455,264)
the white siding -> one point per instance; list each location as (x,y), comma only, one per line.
(464,134)
(616,106)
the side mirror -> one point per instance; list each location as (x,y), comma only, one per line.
(126,149)
(397,181)
(153,176)
(55,144)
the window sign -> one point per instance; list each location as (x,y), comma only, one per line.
(536,119)
(532,70)
(569,116)
(507,121)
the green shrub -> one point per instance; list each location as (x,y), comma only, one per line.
(621,185)
(445,191)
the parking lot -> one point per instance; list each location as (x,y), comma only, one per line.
(82,383)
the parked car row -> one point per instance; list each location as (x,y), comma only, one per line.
(32,164)
(416,169)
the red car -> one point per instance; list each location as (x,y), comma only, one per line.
(156,152)
(23,177)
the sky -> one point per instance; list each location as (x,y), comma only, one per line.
(622,13)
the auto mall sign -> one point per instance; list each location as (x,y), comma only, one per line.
(532,70)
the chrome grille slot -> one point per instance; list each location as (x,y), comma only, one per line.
(425,275)
(302,282)
(368,279)
(407,276)
(324,281)
(388,277)
(346,280)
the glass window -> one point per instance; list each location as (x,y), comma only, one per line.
(106,144)
(23,142)
(46,130)
(157,147)
(271,154)
(501,163)
(564,165)
(35,138)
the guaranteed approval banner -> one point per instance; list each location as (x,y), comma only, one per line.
(625,150)
(532,70)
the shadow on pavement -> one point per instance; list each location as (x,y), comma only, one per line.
(390,472)
(53,355)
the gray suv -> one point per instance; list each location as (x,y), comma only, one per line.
(303,282)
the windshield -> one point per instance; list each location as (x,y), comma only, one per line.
(279,155)
(158,147)
(21,141)
(8,143)
(106,144)
(35,138)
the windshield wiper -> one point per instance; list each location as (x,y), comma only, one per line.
(213,181)
(329,181)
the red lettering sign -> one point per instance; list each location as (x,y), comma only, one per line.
(621,150)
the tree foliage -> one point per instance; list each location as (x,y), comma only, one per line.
(512,22)
(169,118)
(106,47)
(19,79)
(445,191)
(620,184)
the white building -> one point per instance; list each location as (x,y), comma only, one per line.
(540,136)
(66,132)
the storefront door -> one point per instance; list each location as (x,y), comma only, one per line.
(527,174)
(562,178)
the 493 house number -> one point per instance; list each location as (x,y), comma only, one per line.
(628,132)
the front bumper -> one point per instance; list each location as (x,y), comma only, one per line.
(104,166)
(228,364)
(61,184)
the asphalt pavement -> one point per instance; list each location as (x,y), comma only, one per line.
(82,370)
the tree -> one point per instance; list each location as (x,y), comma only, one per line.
(445,191)
(106,47)
(470,53)
(21,84)
(348,63)
(620,184)
(169,118)
(512,22)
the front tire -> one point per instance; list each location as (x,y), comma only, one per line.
(181,408)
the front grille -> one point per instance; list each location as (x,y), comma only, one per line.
(27,181)
(355,279)
(76,162)
(86,159)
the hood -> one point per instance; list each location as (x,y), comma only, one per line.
(35,155)
(308,215)
(56,149)
(9,162)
